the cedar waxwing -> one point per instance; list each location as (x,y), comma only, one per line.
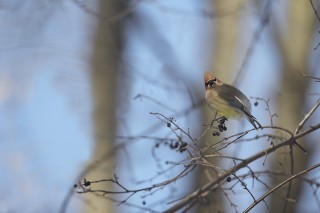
(227,100)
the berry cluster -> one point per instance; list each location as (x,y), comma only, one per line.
(221,126)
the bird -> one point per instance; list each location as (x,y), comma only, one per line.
(227,100)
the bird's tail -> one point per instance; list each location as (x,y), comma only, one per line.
(254,122)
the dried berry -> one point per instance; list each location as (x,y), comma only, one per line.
(215,133)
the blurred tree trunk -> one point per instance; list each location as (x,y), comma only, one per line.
(226,44)
(226,38)
(105,64)
(294,46)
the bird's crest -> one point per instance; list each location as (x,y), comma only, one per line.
(208,76)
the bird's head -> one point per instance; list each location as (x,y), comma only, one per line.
(210,81)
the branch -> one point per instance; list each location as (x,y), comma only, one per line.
(266,14)
(193,196)
(279,185)
(306,117)
(315,11)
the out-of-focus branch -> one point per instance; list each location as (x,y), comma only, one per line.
(109,18)
(306,117)
(311,77)
(264,20)
(314,10)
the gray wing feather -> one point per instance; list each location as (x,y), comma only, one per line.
(234,97)
(238,101)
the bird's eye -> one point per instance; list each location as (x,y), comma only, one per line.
(211,82)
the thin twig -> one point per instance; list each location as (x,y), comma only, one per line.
(159,103)
(315,11)
(255,38)
(311,77)
(290,182)
(306,117)
(279,185)
(245,187)
(184,201)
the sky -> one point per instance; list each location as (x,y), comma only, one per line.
(45,103)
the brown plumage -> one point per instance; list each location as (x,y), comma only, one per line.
(227,100)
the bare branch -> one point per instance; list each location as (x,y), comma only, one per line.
(315,11)
(306,117)
(279,185)
(240,165)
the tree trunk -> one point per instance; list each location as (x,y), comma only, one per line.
(294,47)
(226,44)
(105,64)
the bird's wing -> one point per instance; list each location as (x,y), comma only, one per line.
(235,98)
(238,101)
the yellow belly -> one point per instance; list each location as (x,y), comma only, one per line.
(221,106)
